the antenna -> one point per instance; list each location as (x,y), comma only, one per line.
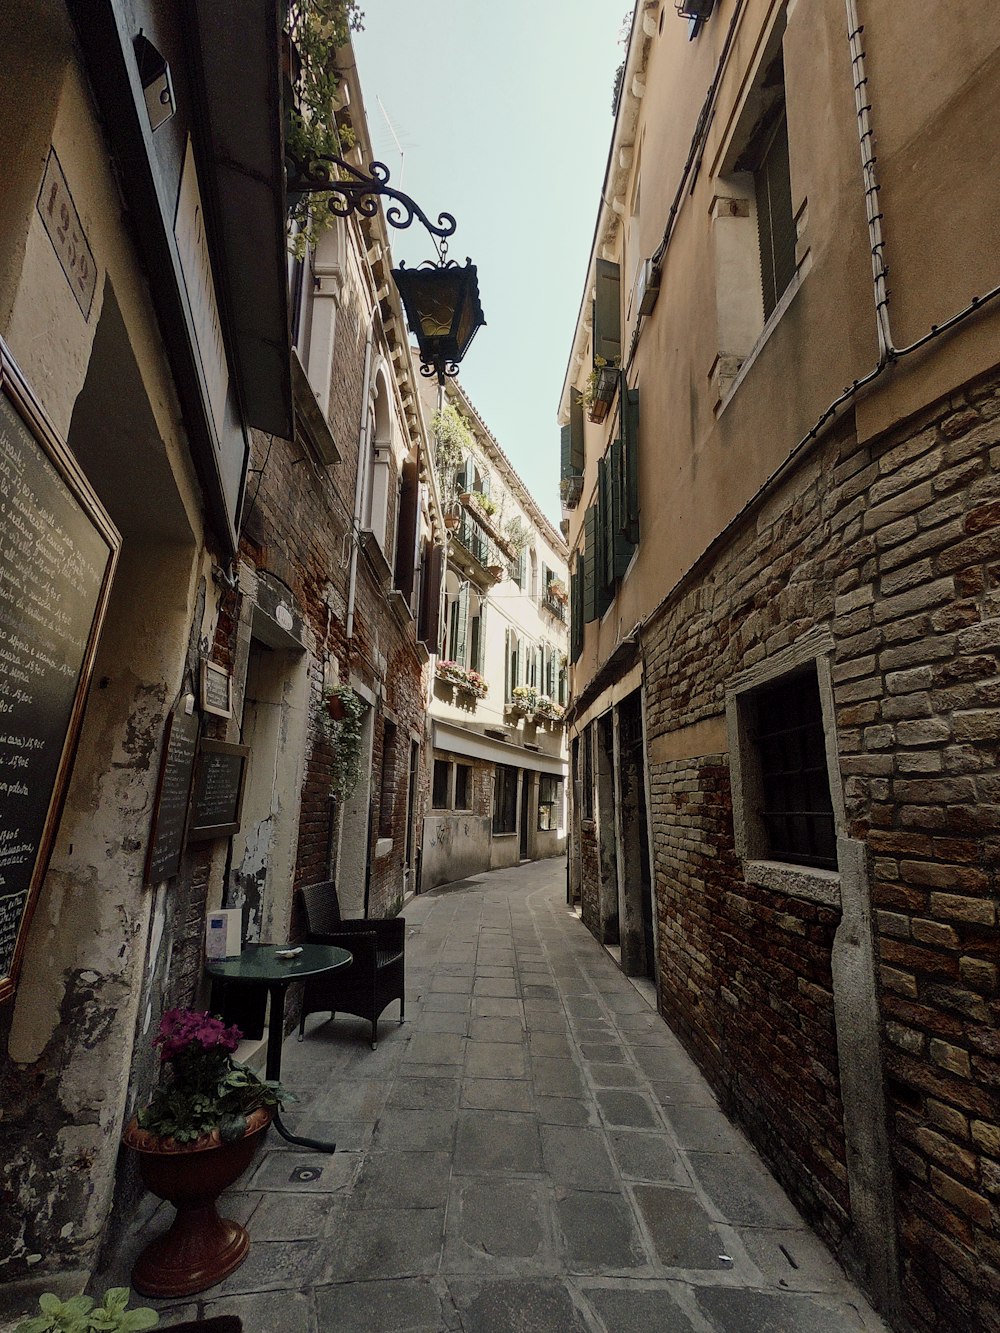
(395,136)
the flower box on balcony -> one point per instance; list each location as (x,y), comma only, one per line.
(463,678)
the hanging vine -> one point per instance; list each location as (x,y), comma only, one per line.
(317,29)
(342,717)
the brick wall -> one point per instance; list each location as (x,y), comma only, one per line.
(298,518)
(893,546)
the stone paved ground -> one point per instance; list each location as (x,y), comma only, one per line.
(531,1152)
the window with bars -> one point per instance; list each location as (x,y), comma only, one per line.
(463,786)
(795,806)
(550,803)
(442,784)
(505,799)
(775,220)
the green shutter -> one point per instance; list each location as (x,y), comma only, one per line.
(630,447)
(607,313)
(565,442)
(605,500)
(590,611)
(507,685)
(575,613)
(462,625)
(479,664)
(623,547)
(576,441)
(775,221)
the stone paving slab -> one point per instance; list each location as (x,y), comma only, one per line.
(533,1151)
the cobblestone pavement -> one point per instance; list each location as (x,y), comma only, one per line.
(531,1152)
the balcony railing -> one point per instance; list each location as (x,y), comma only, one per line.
(486,555)
(555,605)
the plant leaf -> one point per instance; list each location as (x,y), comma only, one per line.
(141,1318)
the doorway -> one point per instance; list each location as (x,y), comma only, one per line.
(637,939)
(525,809)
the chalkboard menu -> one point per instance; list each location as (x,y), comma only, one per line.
(217,802)
(57,554)
(173,787)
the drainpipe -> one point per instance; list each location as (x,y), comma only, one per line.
(886,347)
(359,484)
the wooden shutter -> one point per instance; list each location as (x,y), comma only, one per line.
(430,599)
(571,441)
(479,660)
(623,547)
(407,529)
(605,494)
(590,565)
(630,449)
(607,313)
(575,613)
(460,646)
(508,684)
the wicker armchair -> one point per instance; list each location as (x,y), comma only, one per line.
(376,976)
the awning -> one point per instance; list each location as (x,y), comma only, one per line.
(459,740)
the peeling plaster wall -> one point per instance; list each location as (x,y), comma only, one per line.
(103,951)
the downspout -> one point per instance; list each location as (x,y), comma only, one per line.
(359,483)
(880,271)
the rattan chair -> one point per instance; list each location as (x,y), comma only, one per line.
(374,979)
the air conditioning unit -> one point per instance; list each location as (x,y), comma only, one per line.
(695,9)
(647,288)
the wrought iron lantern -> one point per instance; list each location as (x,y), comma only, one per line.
(441,298)
(442,307)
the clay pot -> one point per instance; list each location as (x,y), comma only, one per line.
(335,707)
(200,1248)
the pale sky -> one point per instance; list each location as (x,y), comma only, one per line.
(503,113)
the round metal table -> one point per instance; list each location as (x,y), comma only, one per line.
(259,965)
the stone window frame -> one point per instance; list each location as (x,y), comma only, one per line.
(814,649)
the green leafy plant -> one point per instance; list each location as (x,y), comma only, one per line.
(316,30)
(343,715)
(518,535)
(454,441)
(204,1089)
(485,503)
(80,1315)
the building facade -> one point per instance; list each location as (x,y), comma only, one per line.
(500,681)
(220,519)
(782,717)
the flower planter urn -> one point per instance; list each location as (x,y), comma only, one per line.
(200,1248)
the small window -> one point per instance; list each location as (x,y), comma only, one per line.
(463,787)
(505,799)
(550,802)
(588,773)
(387,791)
(442,784)
(796,810)
(775,221)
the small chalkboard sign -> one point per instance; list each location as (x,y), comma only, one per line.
(216,689)
(217,802)
(173,788)
(58,549)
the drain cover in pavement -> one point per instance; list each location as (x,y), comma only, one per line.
(304,1173)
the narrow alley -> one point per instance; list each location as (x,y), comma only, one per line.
(532,1150)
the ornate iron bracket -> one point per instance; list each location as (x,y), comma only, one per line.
(352,191)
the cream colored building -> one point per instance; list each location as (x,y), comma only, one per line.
(779,469)
(500,684)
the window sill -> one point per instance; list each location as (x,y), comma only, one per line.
(787,297)
(512,834)
(807,882)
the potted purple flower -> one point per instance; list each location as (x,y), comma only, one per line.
(199,1133)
